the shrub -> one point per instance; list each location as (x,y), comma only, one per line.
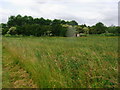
(107,34)
(16,35)
(12,31)
(83,35)
(7,35)
(21,35)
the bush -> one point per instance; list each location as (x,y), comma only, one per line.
(7,35)
(21,35)
(12,31)
(83,35)
(16,35)
(107,34)
(102,34)
(31,35)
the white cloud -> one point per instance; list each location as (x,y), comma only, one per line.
(83,11)
(20,2)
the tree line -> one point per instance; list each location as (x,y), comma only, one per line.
(27,25)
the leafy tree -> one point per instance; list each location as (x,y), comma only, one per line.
(86,30)
(63,22)
(4,25)
(42,21)
(12,31)
(11,21)
(48,22)
(84,25)
(92,30)
(27,25)
(73,22)
(18,20)
(79,29)
(4,28)
(111,29)
(118,30)
(99,28)
(63,32)
(56,29)
(56,22)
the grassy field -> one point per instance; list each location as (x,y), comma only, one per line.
(0,62)
(58,62)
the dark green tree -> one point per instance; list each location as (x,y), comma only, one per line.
(4,28)
(99,28)
(73,22)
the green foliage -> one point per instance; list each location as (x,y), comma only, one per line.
(63,32)
(111,29)
(34,29)
(79,29)
(107,34)
(99,28)
(73,22)
(58,30)
(35,26)
(4,31)
(83,35)
(118,29)
(27,25)
(84,25)
(7,35)
(86,30)
(4,28)
(12,31)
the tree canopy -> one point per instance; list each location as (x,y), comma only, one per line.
(27,25)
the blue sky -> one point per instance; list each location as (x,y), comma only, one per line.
(83,11)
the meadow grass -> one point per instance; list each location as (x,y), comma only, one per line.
(0,61)
(66,62)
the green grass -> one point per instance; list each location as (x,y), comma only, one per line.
(58,62)
(0,61)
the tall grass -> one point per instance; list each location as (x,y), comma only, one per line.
(55,62)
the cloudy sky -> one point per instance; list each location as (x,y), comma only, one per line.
(83,11)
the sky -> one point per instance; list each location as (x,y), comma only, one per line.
(87,12)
